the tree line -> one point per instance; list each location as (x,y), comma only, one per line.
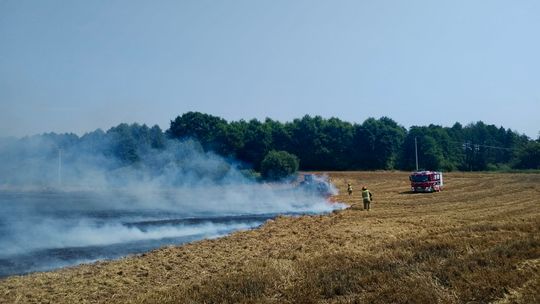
(375,144)
(317,143)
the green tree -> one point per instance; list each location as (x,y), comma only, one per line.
(529,156)
(203,127)
(323,144)
(257,142)
(436,149)
(278,165)
(230,139)
(307,141)
(430,153)
(123,144)
(486,146)
(377,143)
(281,137)
(337,140)
(157,138)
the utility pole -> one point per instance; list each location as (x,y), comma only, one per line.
(416,152)
(59,167)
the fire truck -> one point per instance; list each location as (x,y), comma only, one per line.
(426,181)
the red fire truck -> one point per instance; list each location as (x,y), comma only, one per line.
(426,181)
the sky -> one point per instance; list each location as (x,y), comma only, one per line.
(75,66)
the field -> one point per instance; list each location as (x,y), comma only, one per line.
(476,242)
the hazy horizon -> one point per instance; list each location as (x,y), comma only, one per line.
(165,127)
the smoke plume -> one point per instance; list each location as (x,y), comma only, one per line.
(98,199)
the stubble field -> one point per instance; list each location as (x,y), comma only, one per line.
(478,241)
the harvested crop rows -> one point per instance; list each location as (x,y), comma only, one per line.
(478,241)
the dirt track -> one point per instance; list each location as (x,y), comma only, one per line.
(478,241)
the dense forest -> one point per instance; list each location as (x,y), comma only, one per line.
(333,144)
(318,143)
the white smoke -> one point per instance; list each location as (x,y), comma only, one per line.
(52,197)
(51,233)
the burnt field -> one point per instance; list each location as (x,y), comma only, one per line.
(478,241)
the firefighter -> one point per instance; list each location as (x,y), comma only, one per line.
(349,189)
(367,197)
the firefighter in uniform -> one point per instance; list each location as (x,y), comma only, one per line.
(367,197)
(349,189)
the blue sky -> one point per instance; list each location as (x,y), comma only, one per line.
(74,66)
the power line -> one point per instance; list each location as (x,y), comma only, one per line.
(471,145)
(477,146)
(59,167)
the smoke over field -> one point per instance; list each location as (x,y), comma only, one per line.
(65,204)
